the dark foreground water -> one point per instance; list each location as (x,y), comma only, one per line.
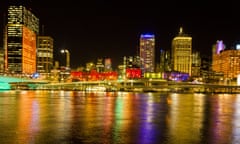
(62,117)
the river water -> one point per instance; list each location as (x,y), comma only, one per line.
(68,117)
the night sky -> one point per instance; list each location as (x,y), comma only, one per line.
(107,29)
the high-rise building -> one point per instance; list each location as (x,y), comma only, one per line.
(132,61)
(147,52)
(165,61)
(196,64)
(100,65)
(108,64)
(44,54)
(226,61)
(182,52)
(20,44)
(1,60)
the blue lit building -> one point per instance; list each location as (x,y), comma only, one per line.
(147,52)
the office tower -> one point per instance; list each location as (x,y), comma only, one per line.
(108,64)
(132,62)
(147,52)
(44,54)
(90,66)
(226,60)
(217,49)
(132,67)
(100,65)
(1,60)
(182,52)
(20,45)
(196,64)
(165,61)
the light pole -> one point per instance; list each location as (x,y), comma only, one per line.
(67,57)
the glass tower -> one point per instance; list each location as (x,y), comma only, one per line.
(147,52)
(21,31)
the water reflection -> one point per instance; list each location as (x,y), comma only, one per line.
(186,118)
(118,117)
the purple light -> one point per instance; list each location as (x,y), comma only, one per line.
(219,47)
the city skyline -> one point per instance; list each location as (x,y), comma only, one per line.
(103,29)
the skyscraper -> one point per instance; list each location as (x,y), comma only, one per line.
(182,52)
(147,52)
(44,54)
(165,61)
(20,40)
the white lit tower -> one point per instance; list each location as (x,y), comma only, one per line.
(182,52)
(147,52)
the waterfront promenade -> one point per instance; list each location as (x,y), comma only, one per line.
(141,86)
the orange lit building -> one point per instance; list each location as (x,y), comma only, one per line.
(227,62)
(28,51)
(20,36)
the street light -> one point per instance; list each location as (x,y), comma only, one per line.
(67,57)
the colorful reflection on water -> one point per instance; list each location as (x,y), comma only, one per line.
(118,117)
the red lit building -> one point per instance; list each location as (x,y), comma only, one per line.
(93,75)
(133,73)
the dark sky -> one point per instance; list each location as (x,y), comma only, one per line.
(104,28)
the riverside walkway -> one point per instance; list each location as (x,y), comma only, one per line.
(141,86)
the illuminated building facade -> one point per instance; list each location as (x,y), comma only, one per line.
(132,65)
(147,52)
(44,54)
(20,44)
(217,49)
(196,64)
(165,61)
(93,75)
(100,65)
(1,60)
(108,64)
(182,53)
(227,62)
(132,62)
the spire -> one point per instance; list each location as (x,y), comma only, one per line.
(181,33)
(181,30)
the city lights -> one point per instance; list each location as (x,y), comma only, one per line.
(67,57)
